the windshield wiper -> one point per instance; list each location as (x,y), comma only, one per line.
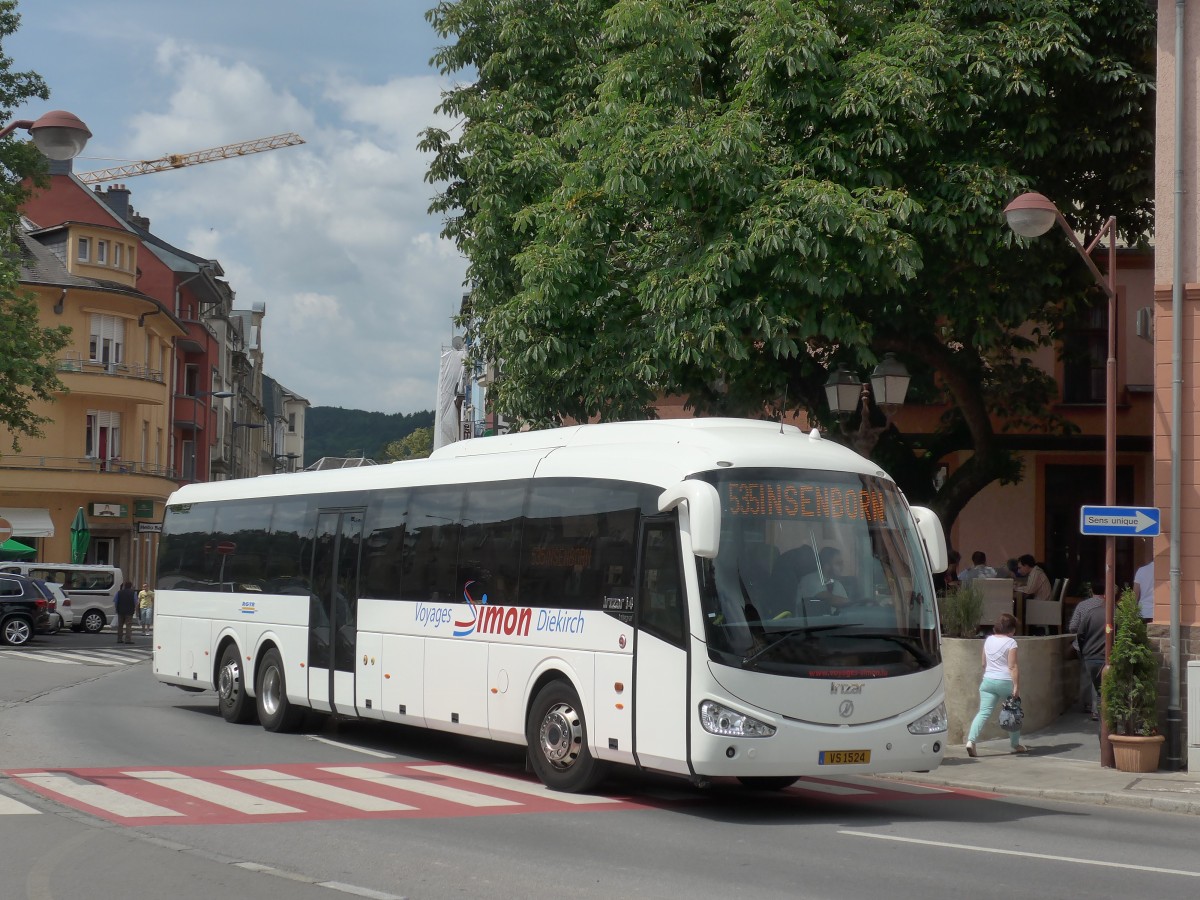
(806,631)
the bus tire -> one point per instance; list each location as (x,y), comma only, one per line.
(558,741)
(769,782)
(235,705)
(275,711)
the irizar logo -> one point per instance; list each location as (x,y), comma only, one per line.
(841,688)
(492,619)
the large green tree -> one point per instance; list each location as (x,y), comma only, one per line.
(724,199)
(27,350)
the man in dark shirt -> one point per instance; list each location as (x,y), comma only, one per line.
(1087,624)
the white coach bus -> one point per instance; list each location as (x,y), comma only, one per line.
(713,598)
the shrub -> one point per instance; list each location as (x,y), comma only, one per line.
(961,608)
(1130,685)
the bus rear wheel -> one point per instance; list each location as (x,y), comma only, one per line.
(558,741)
(768,782)
(236,707)
(275,711)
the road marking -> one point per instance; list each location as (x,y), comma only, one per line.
(320,790)
(96,657)
(419,786)
(838,790)
(97,796)
(1103,863)
(11,807)
(899,787)
(517,785)
(212,792)
(41,656)
(339,744)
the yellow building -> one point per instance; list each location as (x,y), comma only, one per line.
(106,448)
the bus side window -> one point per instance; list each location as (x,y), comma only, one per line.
(660,588)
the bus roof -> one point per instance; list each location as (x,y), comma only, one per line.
(658,452)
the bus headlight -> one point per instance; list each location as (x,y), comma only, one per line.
(930,723)
(722,720)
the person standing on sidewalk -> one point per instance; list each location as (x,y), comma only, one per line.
(126,603)
(146,606)
(1087,624)
(1001,679)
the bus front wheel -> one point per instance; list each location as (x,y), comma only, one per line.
(275,711)
(558,744)
(236,707)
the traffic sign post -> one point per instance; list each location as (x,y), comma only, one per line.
(1120,521)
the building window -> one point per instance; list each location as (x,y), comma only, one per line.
(191,380)
(117,254)
(85,249)
(291,423)
(106,344)
(102,438)
(102,252)
(1085,356)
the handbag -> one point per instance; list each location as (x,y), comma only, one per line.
(1011,714)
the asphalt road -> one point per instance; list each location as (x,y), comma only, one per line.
(97,725)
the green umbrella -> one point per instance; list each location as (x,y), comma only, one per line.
(81,536)
(11,549)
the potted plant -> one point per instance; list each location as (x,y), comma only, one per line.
(961,608)
(1130,692)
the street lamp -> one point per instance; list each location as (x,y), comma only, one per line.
(289,460)
(251,426)
(1032,215)
(58,134)
(845,393)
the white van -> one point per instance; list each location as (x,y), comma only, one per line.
(91,591)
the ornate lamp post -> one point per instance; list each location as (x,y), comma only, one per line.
(1032,215)
(845,393)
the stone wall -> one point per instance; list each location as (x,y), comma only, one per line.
(1189,648)
(1049,683)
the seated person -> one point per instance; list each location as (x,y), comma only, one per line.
(979,568)
(1036,585)
(796,588)
(828,582)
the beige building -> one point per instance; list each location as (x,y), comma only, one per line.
(106,446)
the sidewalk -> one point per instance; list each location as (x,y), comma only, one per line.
(1063,763)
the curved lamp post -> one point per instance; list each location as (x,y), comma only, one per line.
(1032,215)
(845,393)
(58,134)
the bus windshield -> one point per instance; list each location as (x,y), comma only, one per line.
(818,575)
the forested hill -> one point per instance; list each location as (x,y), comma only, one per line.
(333,431)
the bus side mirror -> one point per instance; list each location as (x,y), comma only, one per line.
(701,515)
(930,528)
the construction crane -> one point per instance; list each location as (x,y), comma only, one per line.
(180,160)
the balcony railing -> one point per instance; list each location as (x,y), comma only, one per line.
(119,370)
(86,464)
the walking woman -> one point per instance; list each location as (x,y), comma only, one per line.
(1001,679)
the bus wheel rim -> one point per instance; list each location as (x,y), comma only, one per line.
(231,677)
(561,735)
(270,691)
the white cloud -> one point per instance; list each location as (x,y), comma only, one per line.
(334,236)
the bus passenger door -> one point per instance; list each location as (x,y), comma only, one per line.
(660,675)
(333,610)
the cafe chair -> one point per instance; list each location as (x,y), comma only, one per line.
(997,599)
(1047,613)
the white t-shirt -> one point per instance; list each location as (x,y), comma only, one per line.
(1144,579)
(995,655)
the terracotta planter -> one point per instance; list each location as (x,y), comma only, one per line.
(1134,753)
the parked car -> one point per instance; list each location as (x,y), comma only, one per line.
(91,591)
(56,597)
(23,609)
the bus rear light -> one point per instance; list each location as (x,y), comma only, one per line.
(722,720)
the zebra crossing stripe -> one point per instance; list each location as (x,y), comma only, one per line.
(11,807)
(40,656)
(419,786)
(97,796)
(516,785)
(212,792)
(320,790)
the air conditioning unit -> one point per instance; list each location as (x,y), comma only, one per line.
(1193,720)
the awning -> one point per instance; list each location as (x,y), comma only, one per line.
(28,522)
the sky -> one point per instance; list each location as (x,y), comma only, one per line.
(334,235)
